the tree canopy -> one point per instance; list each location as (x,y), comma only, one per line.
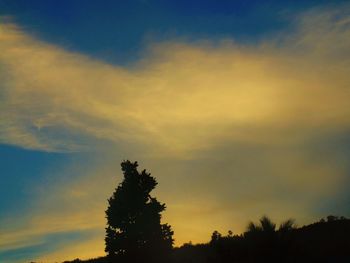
(134,230)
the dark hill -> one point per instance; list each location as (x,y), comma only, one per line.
(324,241)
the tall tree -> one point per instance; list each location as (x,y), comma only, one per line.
(134,231)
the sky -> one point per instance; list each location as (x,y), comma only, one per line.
(238,108)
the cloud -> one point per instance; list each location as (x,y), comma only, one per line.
(67,211)
(230,131)
(86,249)
(181,97)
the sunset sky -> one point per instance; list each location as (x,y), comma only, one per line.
(238,108)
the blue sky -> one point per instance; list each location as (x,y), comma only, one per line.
(238,108)
(117,31)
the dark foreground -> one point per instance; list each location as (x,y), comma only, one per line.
(324,241)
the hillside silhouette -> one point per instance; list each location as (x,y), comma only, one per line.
(323,241)
(134,233)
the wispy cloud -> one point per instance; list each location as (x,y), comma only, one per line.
(180,98)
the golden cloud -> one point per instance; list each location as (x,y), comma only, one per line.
(182,97)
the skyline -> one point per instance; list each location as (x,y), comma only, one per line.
(238,109)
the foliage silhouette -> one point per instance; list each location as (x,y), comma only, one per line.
(134,232)
(265,242)
(323,241)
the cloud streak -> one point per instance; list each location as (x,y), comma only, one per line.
(181,97)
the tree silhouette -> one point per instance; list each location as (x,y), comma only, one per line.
(265,242)
(134,231)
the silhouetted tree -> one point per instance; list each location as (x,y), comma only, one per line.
(134,231)
(287,226)
(265,242)
(215,237)
(332,218)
